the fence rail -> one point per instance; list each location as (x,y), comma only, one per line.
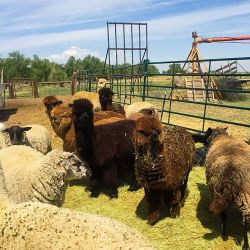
(136,82)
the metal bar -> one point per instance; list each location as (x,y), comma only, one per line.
(170,104)
(204,60)
(127,23)
(208,118)
(207,95)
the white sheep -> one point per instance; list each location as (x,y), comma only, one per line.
(33,225)
(31,176)
(144,107)
(35,136)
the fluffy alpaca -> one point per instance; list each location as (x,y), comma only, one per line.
(106,101)
(50,102)
(228,177)
(163,160)
(62,124)
(106,145)
(35,136)
(31,176)
(92,97)
(101,83)
(145,107)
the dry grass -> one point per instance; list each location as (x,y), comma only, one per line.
(195,229)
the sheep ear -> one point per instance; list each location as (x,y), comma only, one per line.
(26,128)
(7,130)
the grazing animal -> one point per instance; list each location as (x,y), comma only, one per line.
(145,107)
(35,136)
(106,145)
(163,160)
(50,102)
(101,83)
(228,177)
(62,124)
(32,176)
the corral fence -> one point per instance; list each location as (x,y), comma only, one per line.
(194,100)
(28,88)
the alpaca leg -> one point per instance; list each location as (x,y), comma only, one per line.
(223,217)
(154,198)
(96,182)
(245,231)
(176,204)
(183,191)
(110,178)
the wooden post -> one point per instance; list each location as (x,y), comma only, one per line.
(35,89)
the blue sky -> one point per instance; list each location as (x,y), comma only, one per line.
(57,29)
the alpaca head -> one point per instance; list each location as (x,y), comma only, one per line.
(149,111)
(105,97)
(211,134)
(16,134)
(148,132)
(101,83)
(83,114)
(61,119)
(50,102)
(75,168)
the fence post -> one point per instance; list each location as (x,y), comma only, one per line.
(89,75)
(112,76)
(145,78)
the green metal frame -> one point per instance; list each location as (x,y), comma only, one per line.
(122,81)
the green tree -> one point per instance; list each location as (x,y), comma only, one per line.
(16,66)
(57,73)
(173,69)
(40,68)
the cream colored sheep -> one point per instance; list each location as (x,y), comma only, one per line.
(141,106)
(31,176)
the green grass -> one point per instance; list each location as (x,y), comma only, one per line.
(196,228)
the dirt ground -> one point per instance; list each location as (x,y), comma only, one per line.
(30,111)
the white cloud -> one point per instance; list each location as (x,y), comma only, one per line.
(72,51)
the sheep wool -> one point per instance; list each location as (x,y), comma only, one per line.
(138,106)
(45,227)
(31,176)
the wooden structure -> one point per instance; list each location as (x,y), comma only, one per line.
(21,85)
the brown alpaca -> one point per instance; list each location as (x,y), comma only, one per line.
(228,177)
(50,102)
(106,145)
(62,124)
(163,160)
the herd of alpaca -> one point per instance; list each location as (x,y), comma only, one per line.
(157,158)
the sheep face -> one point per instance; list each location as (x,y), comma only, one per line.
(82,113)
(50,102)
(75,168)
(148,131)
(16,134)
(61,118)
(105,96)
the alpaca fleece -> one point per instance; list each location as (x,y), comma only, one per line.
(105,144)
(31,176)
(163,160)
(228,177)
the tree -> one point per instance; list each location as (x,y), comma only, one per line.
(173,69)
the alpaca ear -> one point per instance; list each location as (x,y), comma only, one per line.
(225,129)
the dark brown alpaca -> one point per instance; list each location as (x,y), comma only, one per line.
(163,160)
(106,101)
(228,177)
(106,145)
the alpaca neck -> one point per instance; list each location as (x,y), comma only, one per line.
(84,141)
